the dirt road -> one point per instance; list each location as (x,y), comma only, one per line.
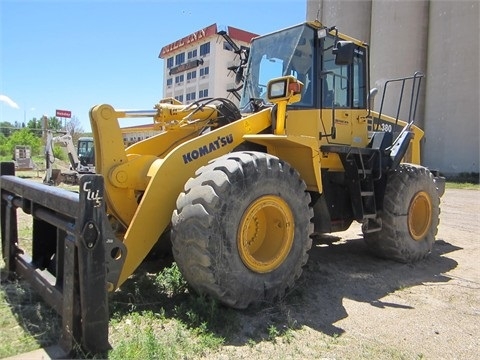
(350,305)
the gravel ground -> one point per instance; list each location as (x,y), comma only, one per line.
(353,306)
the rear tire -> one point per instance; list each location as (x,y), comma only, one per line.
(241,231)
(410,216)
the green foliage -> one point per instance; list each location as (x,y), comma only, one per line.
(171,280)
(6,128)
(35,124)
(21,137)
(151,336)
(273,333)
(53,123)
(59,153)
(25,321)
(462,185)
(465,177)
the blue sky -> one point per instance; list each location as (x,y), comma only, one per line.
(72,55)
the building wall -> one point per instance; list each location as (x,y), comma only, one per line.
(398,39)
(350,17)
(220,56)
(439,38)
(452,104)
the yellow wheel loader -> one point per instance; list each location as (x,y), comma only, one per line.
(239,192)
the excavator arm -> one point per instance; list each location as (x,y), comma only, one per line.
(67,142)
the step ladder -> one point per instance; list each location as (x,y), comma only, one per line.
(362,169)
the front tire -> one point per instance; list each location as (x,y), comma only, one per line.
(410,216)
(241,230)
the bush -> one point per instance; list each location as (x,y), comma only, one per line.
(465,177)
(21,137)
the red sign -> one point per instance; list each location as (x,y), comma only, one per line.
(63,113)
(192,38)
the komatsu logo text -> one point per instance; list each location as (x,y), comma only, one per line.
(220,142)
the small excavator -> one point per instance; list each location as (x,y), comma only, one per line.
(82,160)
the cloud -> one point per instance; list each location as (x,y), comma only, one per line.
(5,99)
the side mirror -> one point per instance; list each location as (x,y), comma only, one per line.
(343,52)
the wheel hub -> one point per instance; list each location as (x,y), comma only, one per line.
(265,235)
(420,215)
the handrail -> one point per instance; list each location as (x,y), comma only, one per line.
(415,91)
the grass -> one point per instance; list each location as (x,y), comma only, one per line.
(152,317)
(26,322)
(462,185)
(155,317)
(149,335)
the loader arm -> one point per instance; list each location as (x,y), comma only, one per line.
(141,188)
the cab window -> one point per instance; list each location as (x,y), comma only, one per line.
(342,86)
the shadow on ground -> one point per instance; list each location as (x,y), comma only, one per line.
(338,269)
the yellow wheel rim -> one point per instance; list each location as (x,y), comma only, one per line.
(265,235)
(420,215)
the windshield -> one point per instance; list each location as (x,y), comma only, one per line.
(287,52)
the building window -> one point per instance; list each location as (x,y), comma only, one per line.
(179,98)
(227,46)
(192,54)
(204,71)
(191,96)
(170,62)
(179,79)
(169,81)
(205,49)
(203,93)
(179,59)
(191,75)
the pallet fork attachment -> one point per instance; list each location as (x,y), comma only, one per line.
(75,256)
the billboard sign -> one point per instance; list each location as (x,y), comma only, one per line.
(63,113)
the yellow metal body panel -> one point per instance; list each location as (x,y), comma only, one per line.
(413,155)
(305,132)
(301,152)
(141,189)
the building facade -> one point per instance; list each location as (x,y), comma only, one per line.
(439,38)
(200,65)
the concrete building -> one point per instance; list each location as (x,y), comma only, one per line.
(437,37)
(197,65)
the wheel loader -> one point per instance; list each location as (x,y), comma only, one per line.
(239,191)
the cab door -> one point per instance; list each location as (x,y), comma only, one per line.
(343,97)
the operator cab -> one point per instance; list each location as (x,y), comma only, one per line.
(333,70)
(86,151)
(333,75)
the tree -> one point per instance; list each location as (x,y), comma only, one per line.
(3,147)
(6,128)
(22,137)
(74,128)
(54,123)
(35,125)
